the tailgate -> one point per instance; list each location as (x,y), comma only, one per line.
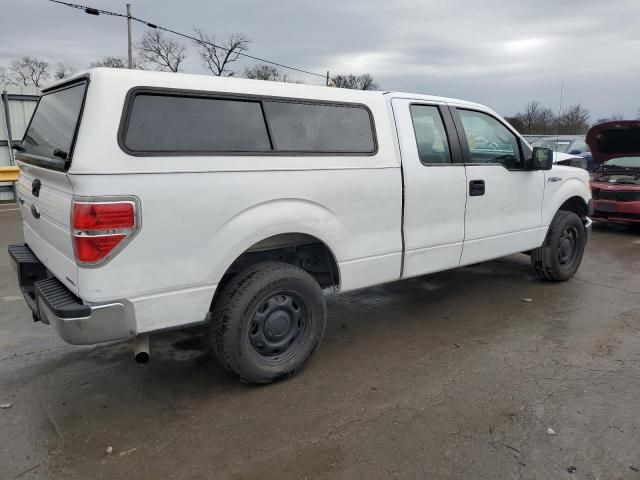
(44,191)
(47,218)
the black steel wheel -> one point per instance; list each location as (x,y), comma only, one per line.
(268,321)
(561,253)
(568,246)
(280,324)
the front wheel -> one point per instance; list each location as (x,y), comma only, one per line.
(268,321)
(561,253)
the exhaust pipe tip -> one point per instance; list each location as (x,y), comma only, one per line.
(141,349)
(141,357)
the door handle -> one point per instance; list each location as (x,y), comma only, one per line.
(476,188)
(35,187)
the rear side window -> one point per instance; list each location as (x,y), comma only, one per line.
(300,127)
(431,137)
(54,122)
(166,124)
(159,123)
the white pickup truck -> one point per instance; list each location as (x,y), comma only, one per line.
(154,201)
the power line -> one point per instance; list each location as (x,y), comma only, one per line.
(90,10)
(97,11)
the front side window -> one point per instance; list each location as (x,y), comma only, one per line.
(489,140)
(431,137)
(51,131)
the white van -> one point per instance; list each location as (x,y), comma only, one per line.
(155,200)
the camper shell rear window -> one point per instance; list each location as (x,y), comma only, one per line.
(49,139)
(160,122)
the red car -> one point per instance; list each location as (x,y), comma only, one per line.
(615,183)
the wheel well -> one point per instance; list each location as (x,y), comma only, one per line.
(576,205)
(299,249)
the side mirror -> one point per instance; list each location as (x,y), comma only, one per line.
(542,158)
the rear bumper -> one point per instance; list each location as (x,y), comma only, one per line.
(54,304)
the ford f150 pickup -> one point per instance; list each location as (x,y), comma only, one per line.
(153,201)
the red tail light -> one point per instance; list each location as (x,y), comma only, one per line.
(98,216)
(94,249)
(102,227)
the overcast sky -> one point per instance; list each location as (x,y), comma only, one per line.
(502,53)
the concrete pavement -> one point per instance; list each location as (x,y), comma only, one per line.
(446,376)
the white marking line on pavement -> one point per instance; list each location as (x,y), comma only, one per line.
(9,210)
(11,298)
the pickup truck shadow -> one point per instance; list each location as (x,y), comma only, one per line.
(455,299)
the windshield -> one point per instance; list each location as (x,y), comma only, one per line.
(555,145)
(52,128)
(628,162)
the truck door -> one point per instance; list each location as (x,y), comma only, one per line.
(504,198)
(434,186)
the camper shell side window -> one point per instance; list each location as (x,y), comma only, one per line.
(165,122)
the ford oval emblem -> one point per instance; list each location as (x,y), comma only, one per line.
(35,211)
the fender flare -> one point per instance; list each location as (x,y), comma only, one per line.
(274,217)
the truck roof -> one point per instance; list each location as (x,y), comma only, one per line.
(187,81)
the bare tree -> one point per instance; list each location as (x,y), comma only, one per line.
(535,119)
(5,77)
(115,62)
(547,121)
(265,72)
(63,71)
(574,119)
(29,71)
(161,52)
(217,57)
(356,82)
(530,116)
(516,123)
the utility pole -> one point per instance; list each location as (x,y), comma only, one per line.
(129,35)
(327,78)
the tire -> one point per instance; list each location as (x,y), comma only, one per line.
(268,321)
(559,257)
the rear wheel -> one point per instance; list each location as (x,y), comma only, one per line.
(268,321)
(561,253)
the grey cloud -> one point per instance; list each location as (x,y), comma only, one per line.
(503,53)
